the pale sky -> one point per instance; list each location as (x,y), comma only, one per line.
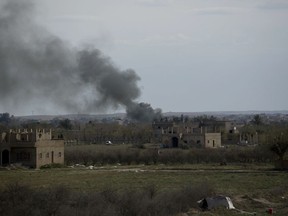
(191,55)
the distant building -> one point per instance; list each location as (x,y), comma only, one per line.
(190,134)
(31,148)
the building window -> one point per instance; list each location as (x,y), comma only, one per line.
(59,154)
(40,155)
(47,155)
(208,141)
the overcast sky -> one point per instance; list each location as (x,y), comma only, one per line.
(191,55)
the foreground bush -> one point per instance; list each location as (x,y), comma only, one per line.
(17,199)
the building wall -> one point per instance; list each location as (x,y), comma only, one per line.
(37,157)
(193,140)
(49,151)
(212,140)
(48,155)
(24,156)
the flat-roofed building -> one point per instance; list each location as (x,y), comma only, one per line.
(31,148)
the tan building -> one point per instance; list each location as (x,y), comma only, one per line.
(174,135)
(212,140)
(32,148)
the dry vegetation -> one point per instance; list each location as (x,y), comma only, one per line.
(151,154)
(129,180)
(58,200)
(142,190)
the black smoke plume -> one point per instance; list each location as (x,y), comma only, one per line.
(39,69)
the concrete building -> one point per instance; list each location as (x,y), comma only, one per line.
(31,148)
(189,134)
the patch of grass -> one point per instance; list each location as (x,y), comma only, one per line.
(256,183)
(136,176)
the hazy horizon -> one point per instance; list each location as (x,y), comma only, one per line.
(248,112)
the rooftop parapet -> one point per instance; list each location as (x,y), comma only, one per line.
(26,135)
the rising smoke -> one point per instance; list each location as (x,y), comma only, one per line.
(39,68)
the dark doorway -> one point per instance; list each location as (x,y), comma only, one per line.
(5,158)
(175,142)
